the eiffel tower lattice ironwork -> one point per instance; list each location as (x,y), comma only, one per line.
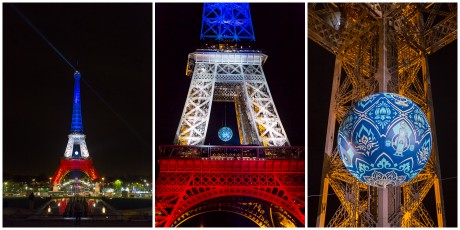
(230,75)
(76,155)
(264,182)
(380,47)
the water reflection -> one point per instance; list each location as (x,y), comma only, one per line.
(65,207)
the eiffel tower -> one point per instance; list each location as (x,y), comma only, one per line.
(76,155)
(264,178)
(380,47)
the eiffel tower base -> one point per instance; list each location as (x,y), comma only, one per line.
(68,164)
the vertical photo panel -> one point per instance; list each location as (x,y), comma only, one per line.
(379,155)
(230,115)
(77,115)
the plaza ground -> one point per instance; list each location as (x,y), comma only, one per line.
(70,222)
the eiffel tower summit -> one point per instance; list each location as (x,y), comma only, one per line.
(385,156)
(252,170)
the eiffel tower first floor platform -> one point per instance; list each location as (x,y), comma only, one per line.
(264,184)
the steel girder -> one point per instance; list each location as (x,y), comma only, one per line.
(260,212)
(428,37)
(351,32)
(185,184)
(227,21)
(225,76)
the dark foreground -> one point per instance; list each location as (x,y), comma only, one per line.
(70,222)
(51,213)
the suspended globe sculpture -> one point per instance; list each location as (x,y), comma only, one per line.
(385,140)
(225,134)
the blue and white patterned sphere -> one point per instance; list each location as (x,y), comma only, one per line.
(225,134)
(385,140)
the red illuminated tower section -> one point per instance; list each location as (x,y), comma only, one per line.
(264,184)
(76,155)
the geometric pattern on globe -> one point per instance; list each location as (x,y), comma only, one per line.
(225,133)
(385,140)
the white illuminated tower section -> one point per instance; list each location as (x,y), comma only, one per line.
(227,73)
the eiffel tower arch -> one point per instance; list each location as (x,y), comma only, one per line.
(380,48)
(216,174)
(263,178)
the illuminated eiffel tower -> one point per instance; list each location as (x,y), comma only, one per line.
(76,155)
(262,180)
(380,47)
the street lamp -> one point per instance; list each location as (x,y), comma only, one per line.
(103,186)
(33,185)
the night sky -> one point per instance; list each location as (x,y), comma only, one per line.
(112,44)
(443,70)
(279,35)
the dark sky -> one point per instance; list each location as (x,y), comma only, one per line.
(113,46)
(279,35)
(443,70)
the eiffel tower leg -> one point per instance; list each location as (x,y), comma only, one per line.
(246,126)
(263,111)
(320,221)
(84,149)
(383,207)
(195,116)
(439,202)
(431,119)
(66,165)
(68,149)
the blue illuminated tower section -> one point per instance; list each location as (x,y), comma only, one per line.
(76,147)
(227,22)
(77,123)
